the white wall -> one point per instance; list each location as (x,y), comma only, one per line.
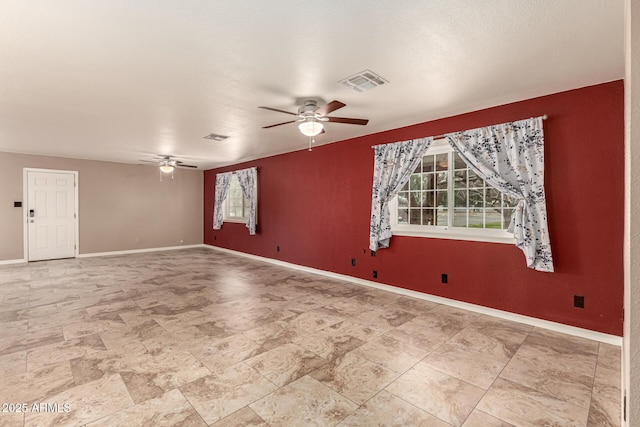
(631,346)
(121,206)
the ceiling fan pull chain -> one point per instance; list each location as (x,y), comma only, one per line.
(310,142)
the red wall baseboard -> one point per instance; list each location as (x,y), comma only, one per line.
(315,207)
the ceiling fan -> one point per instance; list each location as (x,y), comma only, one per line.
(311,117)
(167,163)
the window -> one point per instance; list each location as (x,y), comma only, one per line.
(236,206)
(446,199)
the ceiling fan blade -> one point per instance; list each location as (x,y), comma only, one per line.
(284,123)
(180,164)
(149,161)
(279,111)
(347,120)
(328,108)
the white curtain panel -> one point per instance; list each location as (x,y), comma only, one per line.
(393,165)
(510,156)
(223,180)
(248,178)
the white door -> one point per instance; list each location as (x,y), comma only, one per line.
(51,215)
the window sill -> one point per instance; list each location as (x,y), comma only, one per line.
(490,236)
(236,220)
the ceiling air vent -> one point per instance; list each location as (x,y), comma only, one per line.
(216,137)
(363,81)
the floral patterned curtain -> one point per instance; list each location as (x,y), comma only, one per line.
(393,165)
(248,178)
(222,190)
(510,157)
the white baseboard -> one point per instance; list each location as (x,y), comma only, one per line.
(12,261)
(140,251)
(532,321)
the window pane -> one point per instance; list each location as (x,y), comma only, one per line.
(460,198)
(474,180)
(442,217)
(460,218)
(442,162)
(415,216)
(458,163)
(428,181)
(403,199)
(427,217)
(442,198)
(476,218)
(403,216)
(493,197)
(476,198)
(493,218)
(416,199)
(428,163)
(424,199)
(460,179)
(428,199)
(237,206)
(415,182)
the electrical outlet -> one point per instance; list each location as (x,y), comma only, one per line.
(375,274)
(277,248)
(353,262)
(445,278)
(578,301)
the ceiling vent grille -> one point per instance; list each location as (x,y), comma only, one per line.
(363,81)
(216,137)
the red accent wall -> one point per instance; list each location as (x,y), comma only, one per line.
(315,206)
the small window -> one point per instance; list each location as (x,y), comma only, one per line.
(444,198)
(236,206)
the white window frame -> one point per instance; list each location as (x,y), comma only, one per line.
(225,205)
(446,232)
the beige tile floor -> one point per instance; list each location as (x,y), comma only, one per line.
(198,337)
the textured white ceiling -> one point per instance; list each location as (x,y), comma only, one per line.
(123,80)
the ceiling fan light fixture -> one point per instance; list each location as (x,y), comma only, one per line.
(166,168)
(310,127)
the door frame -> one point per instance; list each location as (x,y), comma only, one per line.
(25,216)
